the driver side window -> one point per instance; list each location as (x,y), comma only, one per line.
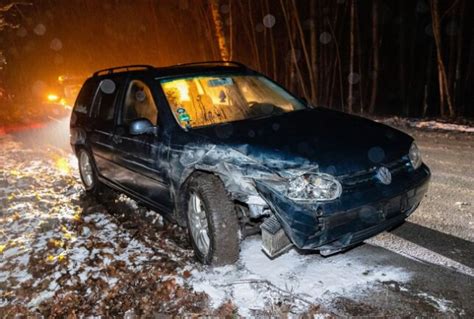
(139,103)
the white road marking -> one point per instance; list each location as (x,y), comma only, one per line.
(411,250)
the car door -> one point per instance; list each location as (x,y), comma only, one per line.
(103,114)
(140,156)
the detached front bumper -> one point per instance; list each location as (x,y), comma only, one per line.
(358,214)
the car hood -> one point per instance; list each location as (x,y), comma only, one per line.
(338,143)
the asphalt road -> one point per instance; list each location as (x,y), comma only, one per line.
(437,242)
(423,268)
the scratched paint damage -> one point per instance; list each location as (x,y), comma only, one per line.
(238,167)
(259,179)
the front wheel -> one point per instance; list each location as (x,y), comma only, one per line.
(212,221)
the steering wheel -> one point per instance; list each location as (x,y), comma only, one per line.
(259,109)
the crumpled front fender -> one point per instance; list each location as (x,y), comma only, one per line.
(298,220)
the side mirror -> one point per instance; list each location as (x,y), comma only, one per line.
(142,126)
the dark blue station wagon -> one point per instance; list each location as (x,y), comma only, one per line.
(226,152)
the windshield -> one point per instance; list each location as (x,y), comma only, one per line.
(205,100)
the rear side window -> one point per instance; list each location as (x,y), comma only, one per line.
(104,101)
(84,99)
(139,103)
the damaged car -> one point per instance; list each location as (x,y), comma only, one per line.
(227,152)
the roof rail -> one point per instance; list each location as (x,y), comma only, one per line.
(124,67)
(213,62)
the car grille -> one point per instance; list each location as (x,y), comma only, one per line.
(366,178)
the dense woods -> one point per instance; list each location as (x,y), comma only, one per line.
(410,58)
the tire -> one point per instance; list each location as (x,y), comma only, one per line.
(88,172)
(221,218)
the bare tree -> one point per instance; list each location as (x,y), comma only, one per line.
(401,55)
(457,80)
(253,37)
(219,30)
(272,44)
(361,80)
(231,32)
(314,50)
(249,29)
(427,86)
(293,50)
(375,53)
(305,52)
(4,24)
(5,10)
(444,93)
(337,59)
(350,94)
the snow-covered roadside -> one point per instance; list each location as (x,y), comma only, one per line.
(424,124)
(295,281)
(62,251)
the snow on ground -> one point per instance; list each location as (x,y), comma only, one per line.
(60,248)
(257,282)
(431,125)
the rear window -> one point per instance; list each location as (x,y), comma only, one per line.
(104,102)
(84,99)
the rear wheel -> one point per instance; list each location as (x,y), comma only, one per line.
(212,221)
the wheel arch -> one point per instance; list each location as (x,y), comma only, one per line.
(182,197)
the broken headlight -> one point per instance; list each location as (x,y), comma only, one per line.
(415,156)
(318,186)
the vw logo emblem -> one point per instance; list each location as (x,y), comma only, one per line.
(384,175)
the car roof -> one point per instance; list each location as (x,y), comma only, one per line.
(175,70)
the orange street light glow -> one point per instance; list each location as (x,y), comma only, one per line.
(52,97)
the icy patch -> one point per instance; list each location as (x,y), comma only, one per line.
(441,304)
(257,282)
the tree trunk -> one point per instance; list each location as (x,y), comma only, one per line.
(305,51)
(231,32)
(272,44)
(451,63)
(359,60)
(293,52)
(338,59)
(427,83)
(442,78)
(337,70)
(314,51)
(457,79)
(401,55)
(375,52)
(219,30)
(265,43)
(250,33)
(253,37)
(350,94)
(411,64)
(208,25)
